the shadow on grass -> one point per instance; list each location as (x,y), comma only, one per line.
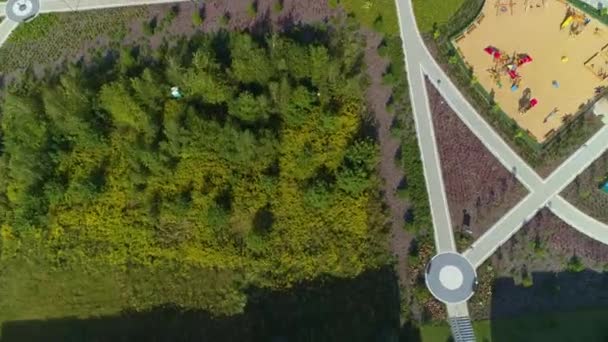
(565,306)
(365,308)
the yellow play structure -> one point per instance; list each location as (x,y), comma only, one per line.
(575,20)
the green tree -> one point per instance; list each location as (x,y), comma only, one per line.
(249,108)
(250,63)
(117,194)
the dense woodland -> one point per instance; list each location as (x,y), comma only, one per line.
(115,195)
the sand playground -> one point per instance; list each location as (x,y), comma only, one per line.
(543,60)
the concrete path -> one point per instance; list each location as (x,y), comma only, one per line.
(417,56)
(444,238)
(416,50)
(579,220)
(419,62)
(545,195)
(542,192)
(81,5)
(451,278)
(6,27)
(458,310)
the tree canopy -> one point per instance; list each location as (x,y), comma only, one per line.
(261,175)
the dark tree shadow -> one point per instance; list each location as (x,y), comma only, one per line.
(365,308)
(262,27)
(517,310)
(263,220)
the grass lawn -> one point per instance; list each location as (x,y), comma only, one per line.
(380,15)
(586,325)
(429,12)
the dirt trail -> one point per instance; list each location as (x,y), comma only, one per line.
(377,97)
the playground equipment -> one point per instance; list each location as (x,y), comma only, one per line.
(533,103)
(504,6)
(575,20)
(551,114)
(598,64)
(176,93)
(534,4)
(495,75)
(507,64)
(529,105)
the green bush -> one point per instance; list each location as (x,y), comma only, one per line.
(527,280)
(575,264)
(225,19)
(171,15)
(197,18)
(278,6)
(149,27)
(164,201)
(422,294)
(252,9)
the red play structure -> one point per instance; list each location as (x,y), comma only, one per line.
(508,64)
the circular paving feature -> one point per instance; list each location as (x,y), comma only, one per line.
(451,278)
(22,10)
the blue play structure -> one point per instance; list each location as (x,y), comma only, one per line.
(605,186)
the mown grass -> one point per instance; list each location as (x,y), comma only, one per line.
(33,291)
(583,325)
(433,13)
(380,15)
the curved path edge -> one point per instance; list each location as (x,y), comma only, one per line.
(6,28)
(579,220)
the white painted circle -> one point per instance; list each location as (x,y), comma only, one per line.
(451,277)
(23,8)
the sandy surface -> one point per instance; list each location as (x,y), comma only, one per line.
(537,32)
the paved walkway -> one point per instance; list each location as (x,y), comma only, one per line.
(579,220)
(420,62)
(81,5)
(451,278)
(543,192)
(46,6)
(6,28)
(21,10)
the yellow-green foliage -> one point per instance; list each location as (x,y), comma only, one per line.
(431,12)
(259,176)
